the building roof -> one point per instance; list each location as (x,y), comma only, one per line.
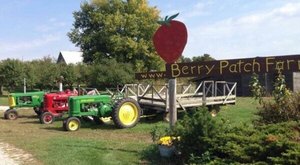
(70,57)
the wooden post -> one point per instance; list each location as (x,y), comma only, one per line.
(24,85)
(172,102)
(60,85)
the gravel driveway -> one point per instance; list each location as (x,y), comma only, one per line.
(4,157)
(10,155)
(3,108)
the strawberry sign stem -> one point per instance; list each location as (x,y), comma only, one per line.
(167,20)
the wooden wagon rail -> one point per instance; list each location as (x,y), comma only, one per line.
(204,94)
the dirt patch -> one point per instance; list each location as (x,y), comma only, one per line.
(15,155)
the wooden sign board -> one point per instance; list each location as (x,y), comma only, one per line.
(287,63)
(150,75)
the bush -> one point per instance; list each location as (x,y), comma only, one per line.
(287,110)
(285,105)
(256,88)
(205,141)
(196,130)
(258,145)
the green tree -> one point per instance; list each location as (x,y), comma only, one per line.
(120,29)
(82,72)
(205,57)
(69,74)
(30,75)
(2,77)
(110,73)
(47,73)
(12,73)
(183,59)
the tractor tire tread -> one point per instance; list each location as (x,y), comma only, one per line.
(7,112)
(115,112)
(42,121)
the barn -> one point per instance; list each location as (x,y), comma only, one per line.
(70,57)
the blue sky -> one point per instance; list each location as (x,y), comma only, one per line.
(225,29)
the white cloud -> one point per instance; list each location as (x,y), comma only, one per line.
(187,12)
(272,32)
(197,10)
(48,45)
(288,10)
(51,25)
(20,46)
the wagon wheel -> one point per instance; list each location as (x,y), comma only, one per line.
(71,124)
(11,114)
(46,118)
(126,113)
(101,120)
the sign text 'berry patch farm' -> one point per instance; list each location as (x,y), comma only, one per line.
(289,63)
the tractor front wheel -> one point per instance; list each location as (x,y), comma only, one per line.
(71,124)
(46,118)
(11,114)
(126,113)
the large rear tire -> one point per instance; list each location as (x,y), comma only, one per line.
(11,114)
(71,124)
(126,113)
(46,118)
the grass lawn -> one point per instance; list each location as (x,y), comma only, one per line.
(98,144)
(242,112)
(3,100)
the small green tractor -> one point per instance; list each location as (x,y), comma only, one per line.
(125,112)
(21,100)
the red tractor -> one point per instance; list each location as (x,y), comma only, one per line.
(55,104)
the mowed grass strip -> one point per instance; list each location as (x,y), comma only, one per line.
(92,144)
(3,100)
(242,112)
(98,144)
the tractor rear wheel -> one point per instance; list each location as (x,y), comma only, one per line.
(46,118)
(11,114)
(71,124)
(126,113)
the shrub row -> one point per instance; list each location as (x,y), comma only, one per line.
(205,141)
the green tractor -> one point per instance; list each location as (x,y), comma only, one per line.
(21,100)
(125,112)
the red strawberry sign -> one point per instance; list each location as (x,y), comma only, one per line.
(170,39)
